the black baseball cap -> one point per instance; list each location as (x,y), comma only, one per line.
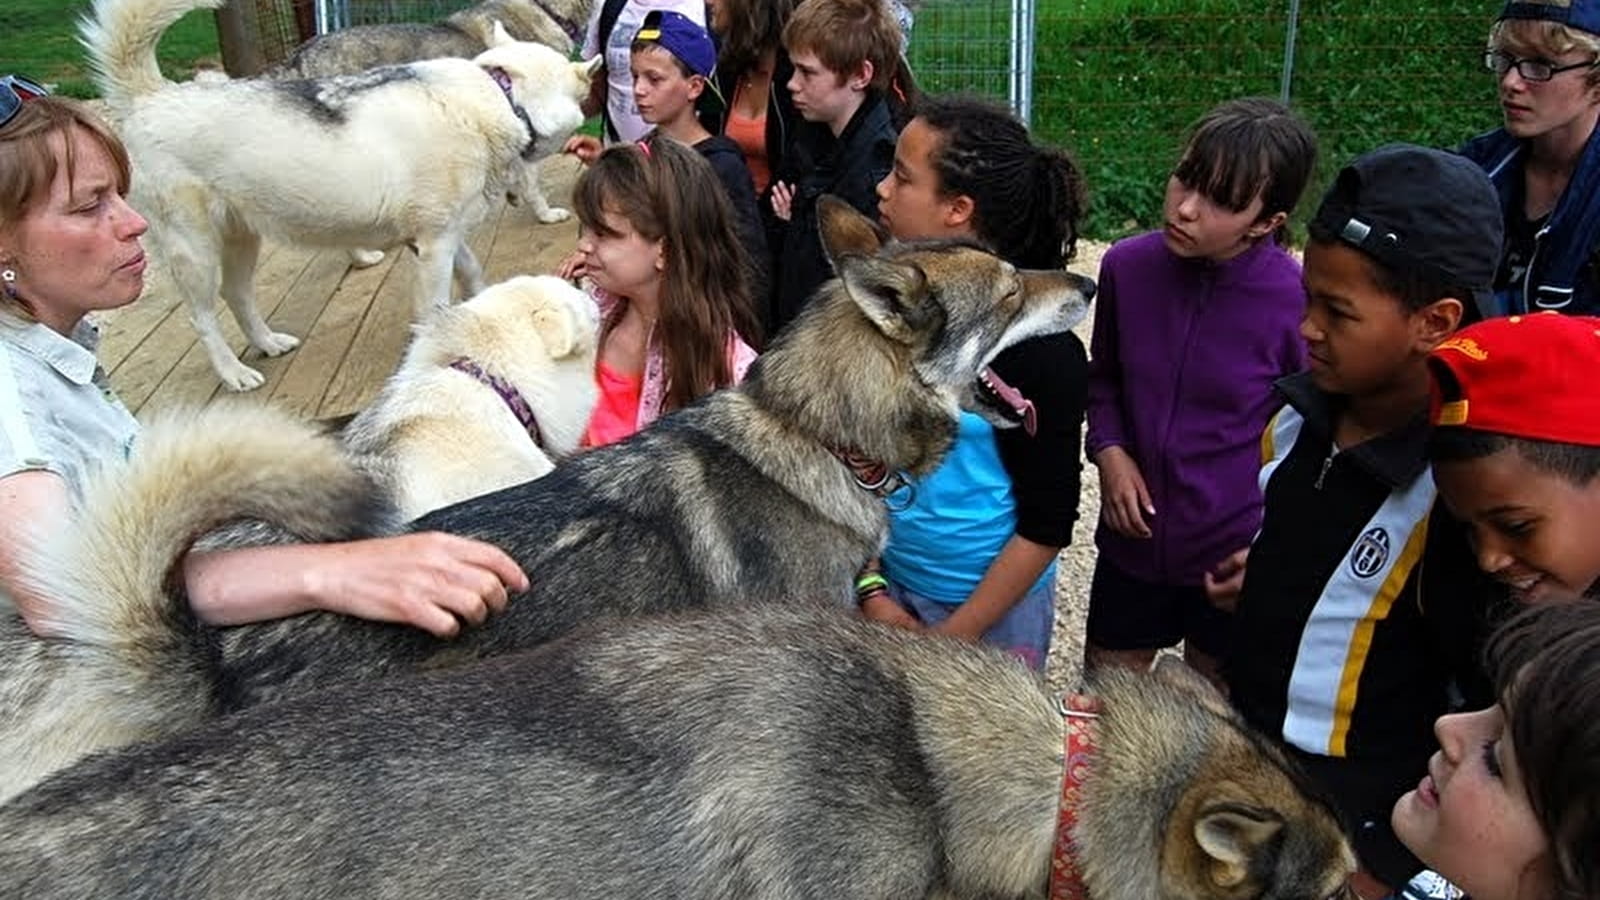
(1417,208)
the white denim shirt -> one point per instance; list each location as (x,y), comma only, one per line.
(57,411)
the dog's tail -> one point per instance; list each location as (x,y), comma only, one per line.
(121,38)
(126,660)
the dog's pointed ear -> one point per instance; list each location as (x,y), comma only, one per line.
(557,329)
(587,68)
(1174,671)
(846,231)
(499,36)
(1233,836)
(893,295)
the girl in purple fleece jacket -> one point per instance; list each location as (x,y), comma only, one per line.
(1193,323)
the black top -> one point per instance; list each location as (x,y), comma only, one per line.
(1046,468)
(816,163)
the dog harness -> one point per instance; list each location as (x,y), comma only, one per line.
(572,28)
(503,80)
(1080,711)
(513,398)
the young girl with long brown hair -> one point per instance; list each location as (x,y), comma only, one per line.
(660,253)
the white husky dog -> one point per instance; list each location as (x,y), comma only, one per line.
(491,393)
(412,154)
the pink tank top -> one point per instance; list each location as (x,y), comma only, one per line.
(617,414)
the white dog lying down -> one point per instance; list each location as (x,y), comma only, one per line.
(413,154)
(491,393)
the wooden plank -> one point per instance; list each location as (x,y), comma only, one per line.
(172,352)
(380,339)
(297,313)
(192,382)
(315,364)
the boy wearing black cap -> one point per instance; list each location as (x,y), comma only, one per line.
(1516,449)
(1352,652)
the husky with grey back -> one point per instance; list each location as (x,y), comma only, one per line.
(756,753)
(464,33)
(414,154)
(741,499)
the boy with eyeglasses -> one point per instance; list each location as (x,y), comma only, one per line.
(1545,161)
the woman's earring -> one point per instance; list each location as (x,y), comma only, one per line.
(8,281)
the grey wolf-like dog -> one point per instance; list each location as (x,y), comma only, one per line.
(741,499)
(758,753)
(413,154)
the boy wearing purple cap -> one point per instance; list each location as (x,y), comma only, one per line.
(1545,161)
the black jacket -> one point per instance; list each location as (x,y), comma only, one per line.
(816,163)
(728,162)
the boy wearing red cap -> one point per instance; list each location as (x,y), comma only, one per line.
(1352,652)
(1517,447)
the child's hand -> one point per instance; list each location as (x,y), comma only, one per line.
(1224,582)
(573,267)
(782,200)
(584,147)
(883,608)
(1124,500)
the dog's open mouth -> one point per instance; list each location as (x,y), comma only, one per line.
(1007,401)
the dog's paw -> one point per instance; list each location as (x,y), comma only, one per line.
(362,259)
(240,377)
(553,214)
(276,343)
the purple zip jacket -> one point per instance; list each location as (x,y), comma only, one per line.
(1181,370)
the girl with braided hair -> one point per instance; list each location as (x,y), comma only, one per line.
(974,554)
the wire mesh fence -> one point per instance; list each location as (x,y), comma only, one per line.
(1117,82)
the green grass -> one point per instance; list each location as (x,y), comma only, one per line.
(1118,81)
(40,39)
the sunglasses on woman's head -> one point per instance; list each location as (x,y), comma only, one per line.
(14,90)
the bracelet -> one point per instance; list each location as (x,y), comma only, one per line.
(871,580)
(863,596)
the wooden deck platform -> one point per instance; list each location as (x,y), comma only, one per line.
(353,324)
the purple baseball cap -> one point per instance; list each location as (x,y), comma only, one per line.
(681,37)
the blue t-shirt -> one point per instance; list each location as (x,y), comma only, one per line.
(962,516)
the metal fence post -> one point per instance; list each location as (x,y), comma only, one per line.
(1291,31)
(1022,63)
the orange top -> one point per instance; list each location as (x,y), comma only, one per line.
(616,415)
(750,133)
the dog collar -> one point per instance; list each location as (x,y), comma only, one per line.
(1080,711)
(513,398)
(876,478)
(503,80)
(573,28)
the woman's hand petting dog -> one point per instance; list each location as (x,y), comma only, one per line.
(430,580)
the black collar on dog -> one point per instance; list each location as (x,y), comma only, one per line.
(876,478)
(513,398)
(503,80)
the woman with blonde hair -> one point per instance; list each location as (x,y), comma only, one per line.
(69,247)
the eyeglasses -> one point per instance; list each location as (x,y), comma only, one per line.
(1500,63)
(14,89)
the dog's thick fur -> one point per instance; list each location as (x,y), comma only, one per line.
(738,500)
(464,33)
(440,435)
(753,754)
(411,154)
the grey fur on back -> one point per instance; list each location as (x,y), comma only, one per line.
(766,753)
(463,34)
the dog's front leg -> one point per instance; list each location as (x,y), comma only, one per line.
(239,255)
(435,259)
(469,275)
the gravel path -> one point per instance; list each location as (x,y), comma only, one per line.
(1077,560)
